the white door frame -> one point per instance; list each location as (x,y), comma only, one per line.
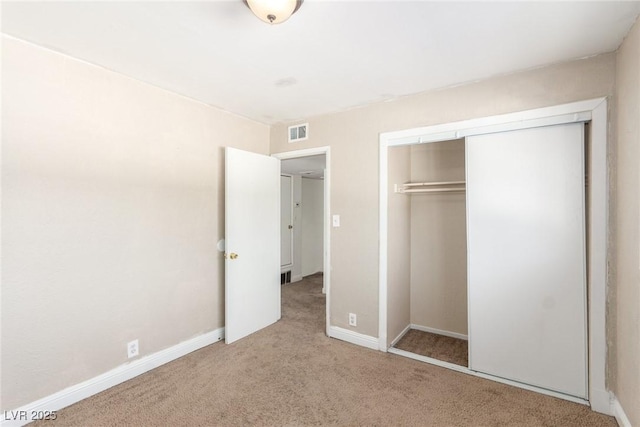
(594,110)
(327,229)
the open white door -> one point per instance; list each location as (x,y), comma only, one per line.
(252,234)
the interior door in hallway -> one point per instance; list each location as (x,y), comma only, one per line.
(286,221)
(252,234)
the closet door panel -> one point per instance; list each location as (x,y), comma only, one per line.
(526,256)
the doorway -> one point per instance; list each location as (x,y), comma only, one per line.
(310,173)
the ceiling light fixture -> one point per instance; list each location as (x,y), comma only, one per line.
(273,11)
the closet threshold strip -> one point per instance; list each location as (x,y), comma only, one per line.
(469,371)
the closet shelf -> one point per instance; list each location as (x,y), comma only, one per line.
(431,187)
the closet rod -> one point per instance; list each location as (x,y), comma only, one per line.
(427,184)
(433,190)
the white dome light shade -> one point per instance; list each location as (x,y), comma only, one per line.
(273,11)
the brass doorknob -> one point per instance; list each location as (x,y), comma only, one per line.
(233,255)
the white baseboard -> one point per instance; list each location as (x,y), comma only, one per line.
(353,337)
(618,412)
(400,335)
(440,332)
(296,278)
(122,373)
(311,274)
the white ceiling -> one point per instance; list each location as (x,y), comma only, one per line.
(330,56)
(308,167)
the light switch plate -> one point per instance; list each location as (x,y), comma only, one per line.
(336,220)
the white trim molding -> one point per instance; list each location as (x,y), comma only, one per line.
(383,233)
(598,193)
(122,373)
(618,412)
(353,337)
(592,110)
(565,113)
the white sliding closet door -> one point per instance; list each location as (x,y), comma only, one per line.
(526,255)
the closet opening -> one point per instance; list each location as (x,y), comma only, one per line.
(495,230)
(428,262)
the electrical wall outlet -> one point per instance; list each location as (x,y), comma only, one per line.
(132,349)
(353,321)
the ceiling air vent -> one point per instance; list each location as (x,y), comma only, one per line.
(298,132)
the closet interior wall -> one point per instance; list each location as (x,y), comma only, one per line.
(438,241)
(427,264)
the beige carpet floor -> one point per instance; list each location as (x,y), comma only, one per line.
(447,349)
(291,374)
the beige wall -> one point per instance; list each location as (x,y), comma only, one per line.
(625,364)
(439,240)
(112,205)
(398,244)
(112,196)
(353,138)
(312,243)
